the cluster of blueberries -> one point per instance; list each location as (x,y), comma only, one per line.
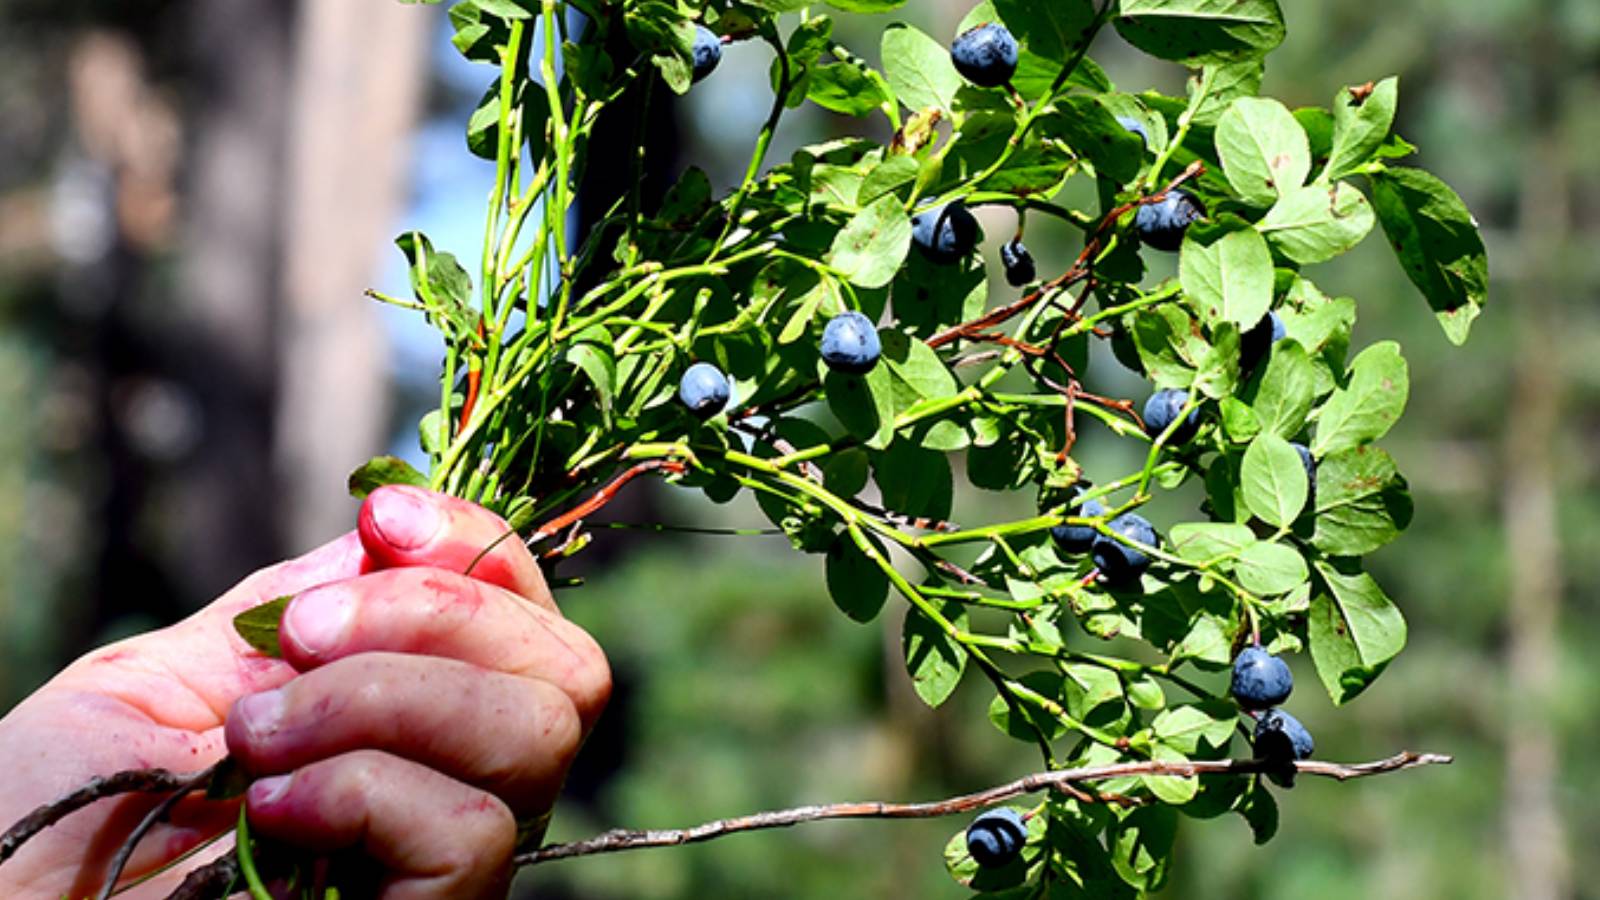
(986,56)
(1261,682)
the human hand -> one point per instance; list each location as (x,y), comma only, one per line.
(416,714)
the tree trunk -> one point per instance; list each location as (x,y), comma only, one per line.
(358,81)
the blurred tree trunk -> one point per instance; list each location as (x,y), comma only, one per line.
(357,86)
(226,500)
(1536,839)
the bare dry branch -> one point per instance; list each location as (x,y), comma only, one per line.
(624,839)
(146,781)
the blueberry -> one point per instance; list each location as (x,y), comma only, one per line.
(850,343)
(945,234)
(1255,343)
(1161,225)
(985,55)
(1018,263)
(1118,562)
(704,389)
(996,837)
(707,51)
(1281,739)
(1078,538)
(1162,410)
(1310,462)
(1134,126)
(1260,680)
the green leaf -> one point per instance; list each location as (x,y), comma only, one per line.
(440,283)
(870,249)
(1034,721)
(1053,30)
(1141,845)
(914,481)
(258,625)
(382,470)
(1093,132)
(856,582)
(1034,170)
(1287,389)
(592,354)
(1264,151)
(1260,811)
(1354,629)
(1201,730)
(505,9)
(1362,502)
(1438,244)
(1315,223)
(934,660)
(1230,277)
(846,472)
(1270,569)
(1359,128)
(1366,409)
(848,88)
(1273,480)
(1205,541)
(1200,32)
(663,34)
(919,69)
(888,177)
(864,404)
(867,6)
(1173,789)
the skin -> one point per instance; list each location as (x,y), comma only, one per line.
(417,714)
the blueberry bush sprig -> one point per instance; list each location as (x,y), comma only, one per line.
(727,342)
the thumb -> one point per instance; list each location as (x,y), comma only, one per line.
(402,526)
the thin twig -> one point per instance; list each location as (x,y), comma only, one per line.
(146,781)
(623,839)
(124,852)
(602,497)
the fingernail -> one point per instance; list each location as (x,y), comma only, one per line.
(261,713)
(268,790)
(319,619)
(405,518)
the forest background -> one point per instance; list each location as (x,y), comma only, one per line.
(193,196)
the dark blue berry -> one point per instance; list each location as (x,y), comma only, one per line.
(704,389)
(1310,462)
(945,234)
(1078,538)
(1018,263)
(1281,739)
(1134,126)
(1260,680)
(996,837)
(1255,343)
(1162,410)
(1118,562)
(985,55)
(1161,225)
(850,343)
(707,51)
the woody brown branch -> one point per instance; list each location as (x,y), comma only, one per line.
(624,839)
(135,781)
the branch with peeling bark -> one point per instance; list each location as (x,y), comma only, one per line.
(1064,779)
(212,879)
